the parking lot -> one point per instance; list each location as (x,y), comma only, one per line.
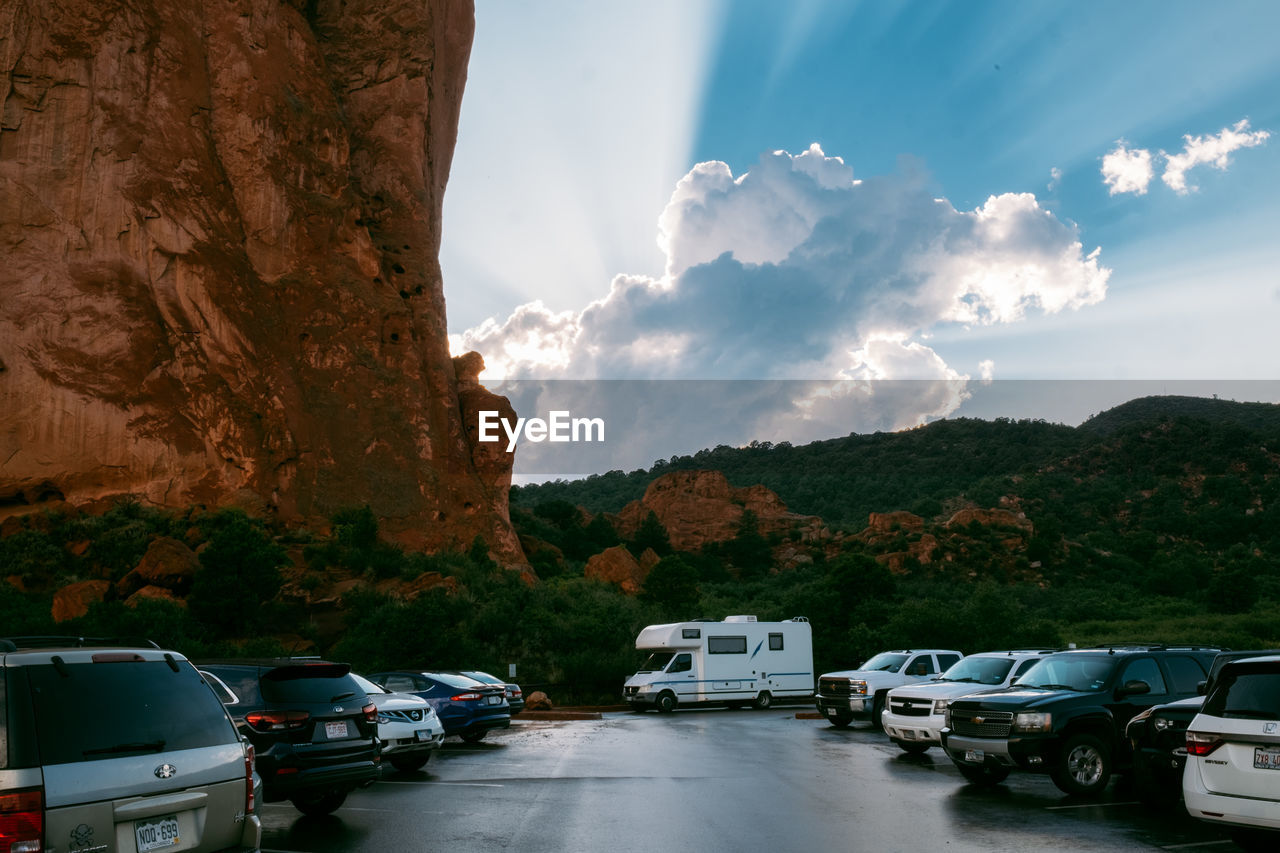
(717,780)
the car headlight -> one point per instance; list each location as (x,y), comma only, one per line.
(858,687)
(1162,724)
(1032,721)
(383,719)
(644,688)
(939,706)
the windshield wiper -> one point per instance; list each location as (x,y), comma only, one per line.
(961,680)
(1051,687)
(146,746)
(341,696)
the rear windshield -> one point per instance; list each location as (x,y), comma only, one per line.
(484,677)
(310,683)
(451,680)
(1251,691)
(92,711)
(980,670)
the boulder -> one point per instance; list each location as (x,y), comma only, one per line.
(618,567)
(153,593)
(538,701)
(73,600)
(989,518)
(168,564)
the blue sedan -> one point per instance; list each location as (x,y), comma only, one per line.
(467,708)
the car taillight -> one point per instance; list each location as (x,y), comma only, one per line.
(22,821)
(516,693)
(465,697)
(276,721)
(1199,743)
(249,755)
(370,713)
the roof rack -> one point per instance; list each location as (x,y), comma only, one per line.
(51,641)
(1155,647)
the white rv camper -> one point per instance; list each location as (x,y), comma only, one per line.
(732,662)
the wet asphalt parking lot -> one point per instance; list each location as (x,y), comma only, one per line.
(711,780)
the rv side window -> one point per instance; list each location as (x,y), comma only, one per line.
(775,642)
(682,663)
(727,645)
(691,633)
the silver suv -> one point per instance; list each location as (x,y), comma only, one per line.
(107,747)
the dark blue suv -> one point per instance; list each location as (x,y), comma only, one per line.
(468,708)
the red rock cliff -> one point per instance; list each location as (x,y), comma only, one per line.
(220,224)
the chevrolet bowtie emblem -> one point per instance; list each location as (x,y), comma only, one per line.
(979,720)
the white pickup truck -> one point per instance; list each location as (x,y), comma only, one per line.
(914,715)
(861,693)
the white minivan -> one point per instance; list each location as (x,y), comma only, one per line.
(1232,775)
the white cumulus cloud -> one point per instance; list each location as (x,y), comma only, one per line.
(1212,150)
(1127,171)
(795,270)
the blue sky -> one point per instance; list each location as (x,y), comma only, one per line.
(580,120)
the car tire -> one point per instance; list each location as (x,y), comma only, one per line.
(319,805)
(1083,767)
(666,703)
(841,721)
(913,747)
(764,701)
(983,774)
(877,712)
(408,763)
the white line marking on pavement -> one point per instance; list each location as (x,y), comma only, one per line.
(1195,844)
(455,784)
(1090,806)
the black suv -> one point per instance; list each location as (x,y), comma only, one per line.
(313,726)
(1158,737)
(106,744)
(1067,714)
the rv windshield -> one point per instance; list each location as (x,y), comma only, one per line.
(657,661)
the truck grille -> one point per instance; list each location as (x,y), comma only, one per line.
(630,691)
(911,707)
(981,723)
(834,687)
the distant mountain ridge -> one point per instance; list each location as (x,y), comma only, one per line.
(959,460)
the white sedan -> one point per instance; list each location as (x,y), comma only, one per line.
(407,726)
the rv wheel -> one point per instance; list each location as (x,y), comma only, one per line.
(666,703)
(764,701)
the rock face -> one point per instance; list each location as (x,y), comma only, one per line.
(72,601)
(697,507)
(220,225)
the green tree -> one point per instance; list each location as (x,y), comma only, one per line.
(239,576)
(672,584)
(652,535)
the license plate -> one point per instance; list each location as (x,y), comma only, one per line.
(1267,758)
(423,734)
(494,700)
(335,730)
(831,712)
(157,833)
(976,756)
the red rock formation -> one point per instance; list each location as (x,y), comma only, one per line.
(989,518)
(697,507)
(73,600)
(220,225)
(618,567)
(153,593)
(885,522)
(168,564)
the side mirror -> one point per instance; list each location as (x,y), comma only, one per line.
(1134,688)
(1202,688)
